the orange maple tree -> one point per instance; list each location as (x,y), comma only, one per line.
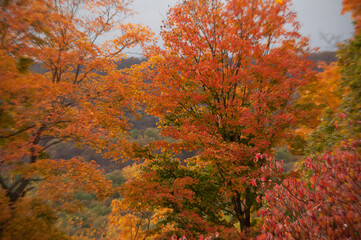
(224,85)
(80,97)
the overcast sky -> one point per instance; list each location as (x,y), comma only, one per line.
(321,20)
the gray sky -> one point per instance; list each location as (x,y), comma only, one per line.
(317,18)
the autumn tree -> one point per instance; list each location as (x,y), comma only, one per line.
(81,97)
(224,85)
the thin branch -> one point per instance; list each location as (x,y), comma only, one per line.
(51,144)
(18,132)
(301,200)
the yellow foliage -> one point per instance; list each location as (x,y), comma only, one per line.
(127,224)
(131,171)
(321,94)
(30,219)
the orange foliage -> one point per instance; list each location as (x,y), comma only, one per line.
(320,95)
(224,85)
(353,6)
(80,97)
(327,92)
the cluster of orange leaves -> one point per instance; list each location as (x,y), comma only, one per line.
(353,6)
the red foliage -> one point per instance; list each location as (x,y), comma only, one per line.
(327,206)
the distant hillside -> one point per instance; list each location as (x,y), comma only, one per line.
(125,63)
(326,57)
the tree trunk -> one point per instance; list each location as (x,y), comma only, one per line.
(243,209)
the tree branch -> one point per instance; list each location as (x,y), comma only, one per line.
(18,132)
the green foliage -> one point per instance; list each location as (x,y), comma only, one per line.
(152,133)
(23,64)
(116,177)
(134,133)
(144,137)
(350,60)
(282,154)
(287,157)
(84,196)
(188,189)
(102,210)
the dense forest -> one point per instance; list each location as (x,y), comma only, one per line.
(229,127)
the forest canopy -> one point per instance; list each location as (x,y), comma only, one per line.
(230,127)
